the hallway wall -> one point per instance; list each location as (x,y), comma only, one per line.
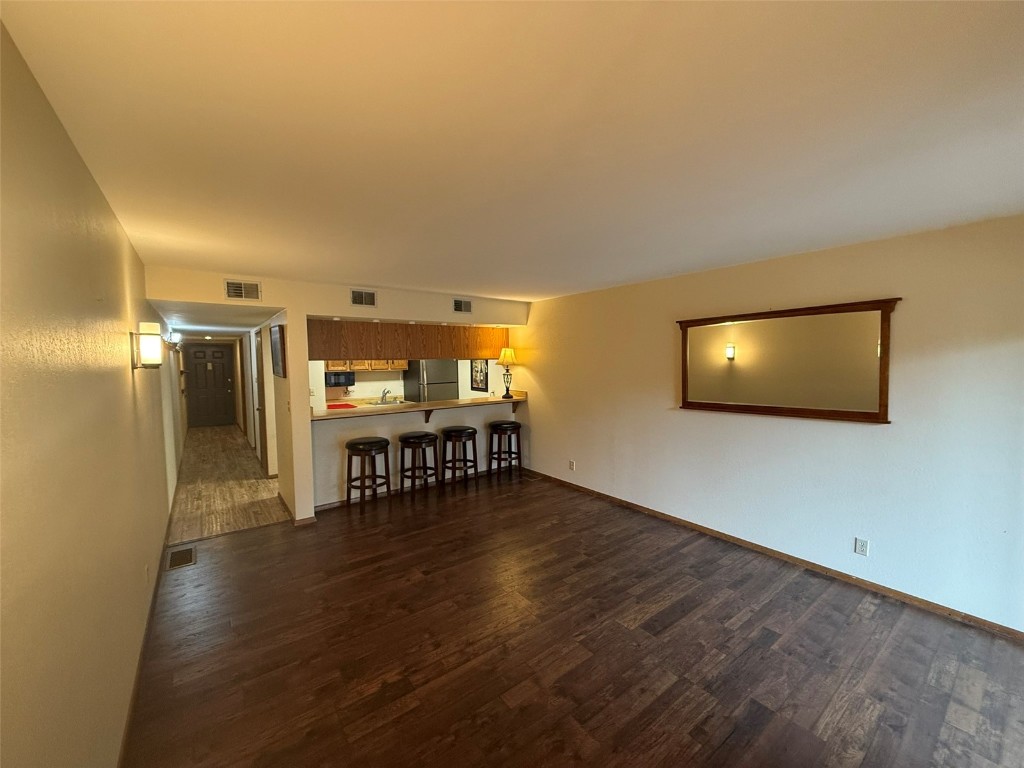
(84,492)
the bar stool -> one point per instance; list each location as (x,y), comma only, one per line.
(455,437)
(367,448)
(417,443)
(500,445)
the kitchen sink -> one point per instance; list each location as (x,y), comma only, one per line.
(389,402)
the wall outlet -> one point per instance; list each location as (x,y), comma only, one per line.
(572,465)
(860,547)
(312,393)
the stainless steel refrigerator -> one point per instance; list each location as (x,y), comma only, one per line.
(432,380)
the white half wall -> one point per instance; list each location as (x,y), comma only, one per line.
(939,492)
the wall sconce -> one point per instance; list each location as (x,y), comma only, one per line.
(147,346)
(730,351)
(507,358)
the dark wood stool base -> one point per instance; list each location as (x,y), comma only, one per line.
(367,449)
(504,446)
(456,437)
(416,443)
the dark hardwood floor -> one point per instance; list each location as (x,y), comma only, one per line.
(525,624)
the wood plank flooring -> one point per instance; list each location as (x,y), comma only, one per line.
(221,487)
(521,623)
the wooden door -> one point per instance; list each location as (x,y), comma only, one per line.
(261,403)
(209,384)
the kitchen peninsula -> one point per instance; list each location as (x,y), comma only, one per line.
(391,352)
(333,428)
(375,408)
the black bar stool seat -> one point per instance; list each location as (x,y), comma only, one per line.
(416,443)
(455,437)
(504,446)
(366,449)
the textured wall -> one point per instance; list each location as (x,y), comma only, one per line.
(939,492)
(84,491)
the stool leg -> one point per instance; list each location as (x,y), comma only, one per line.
(401,469)
(458,448)
(444,465)
(424,467)
(412,470)
(476,471)
(501,452)
(387,474)
(519,455)
(490,450)
(436,467)
(362,481)
(348,480)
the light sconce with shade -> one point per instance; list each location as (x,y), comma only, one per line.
(730,351)
(507,358)
(147,346)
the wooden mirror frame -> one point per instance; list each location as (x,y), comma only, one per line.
(881,416)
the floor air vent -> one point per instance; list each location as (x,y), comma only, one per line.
(237,289)
(179,558)
(462,305)
(364,298)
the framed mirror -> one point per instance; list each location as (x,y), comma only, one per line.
(824,362)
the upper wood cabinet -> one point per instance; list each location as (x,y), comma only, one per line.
(357,341)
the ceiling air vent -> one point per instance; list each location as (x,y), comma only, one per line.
(237,289)
(462,305)
(364,298)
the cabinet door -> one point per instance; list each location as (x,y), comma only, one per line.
(398,365)
(336,365)
(359,365)
(378,365)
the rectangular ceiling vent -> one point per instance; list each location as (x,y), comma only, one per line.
(238,289)
(462,305)
(364,298)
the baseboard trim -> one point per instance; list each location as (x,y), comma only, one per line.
(1008,633)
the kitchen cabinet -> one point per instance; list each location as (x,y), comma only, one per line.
(366,365)
(361,341)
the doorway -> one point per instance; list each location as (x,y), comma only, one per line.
(209,384)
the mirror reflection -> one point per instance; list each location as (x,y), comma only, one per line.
(817,362)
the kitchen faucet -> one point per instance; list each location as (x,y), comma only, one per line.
(384,395)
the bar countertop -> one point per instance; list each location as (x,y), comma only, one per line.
(427,408)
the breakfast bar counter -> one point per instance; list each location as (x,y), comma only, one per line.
(332,428)
(369,408)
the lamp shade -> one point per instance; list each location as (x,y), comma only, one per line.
(507,357)
(147,346)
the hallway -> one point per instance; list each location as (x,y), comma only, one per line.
(221,488)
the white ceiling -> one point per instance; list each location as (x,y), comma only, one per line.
(192,318)
(529,150)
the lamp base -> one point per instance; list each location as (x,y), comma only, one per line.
(507,378)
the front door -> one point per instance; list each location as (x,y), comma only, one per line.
(208,386)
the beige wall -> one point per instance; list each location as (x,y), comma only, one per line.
(939,492)
(84,493)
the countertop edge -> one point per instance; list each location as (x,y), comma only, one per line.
(435,405)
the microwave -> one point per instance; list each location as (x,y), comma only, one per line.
(339,379)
